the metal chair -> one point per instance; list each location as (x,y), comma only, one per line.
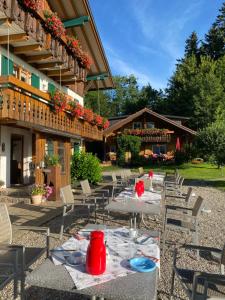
(23,257)
(117,185)
(183,198)
(99,195)
(141,171)
(68,200)
(200,285)
(183,219)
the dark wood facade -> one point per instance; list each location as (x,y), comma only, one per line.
(158,133)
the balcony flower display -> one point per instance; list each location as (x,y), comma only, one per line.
(76,109)
(73,45)
(53,24)
(85,60)
(105,123)
(88,115)
(148,131)
(98,120)
(59,100)
(31,5)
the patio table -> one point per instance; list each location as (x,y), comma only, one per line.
(137,286)
(149,204)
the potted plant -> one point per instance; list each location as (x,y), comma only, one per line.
(54,176)
(36,194)
(48,192)
(76,109)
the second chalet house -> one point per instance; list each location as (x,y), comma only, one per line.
(159,133)
(47,64)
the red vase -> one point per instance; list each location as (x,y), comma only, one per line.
(150,174)
(142,186)
(138,188)
(96,254)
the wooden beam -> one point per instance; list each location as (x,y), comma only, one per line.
(76,22)
(49,65)
(54,73)
(97,76)
(20,37)
(29,48)
(42,57)
(88,85)
(67,77)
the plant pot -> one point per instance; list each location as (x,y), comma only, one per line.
(36,199)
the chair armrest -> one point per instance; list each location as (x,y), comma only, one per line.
(203,248)
(36,228)
(175,207)
(174,196)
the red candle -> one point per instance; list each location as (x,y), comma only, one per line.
(96,254)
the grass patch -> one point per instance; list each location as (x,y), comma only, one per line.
(205,173)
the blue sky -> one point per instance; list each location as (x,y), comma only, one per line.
(145,37)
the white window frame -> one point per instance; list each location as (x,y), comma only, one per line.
(152,124)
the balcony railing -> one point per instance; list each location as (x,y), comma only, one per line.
(27,106)
(28,37)
(156,139)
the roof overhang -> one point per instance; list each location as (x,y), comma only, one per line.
(109,131)
(88,36)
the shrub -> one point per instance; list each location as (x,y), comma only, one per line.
(86,166)
(128,143)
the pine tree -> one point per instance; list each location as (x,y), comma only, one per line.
(191,45)
(214,44)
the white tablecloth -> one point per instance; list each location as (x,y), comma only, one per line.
(147,196)
(120,248)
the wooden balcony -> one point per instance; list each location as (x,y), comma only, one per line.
(27,37)
(25,106)
(156,139)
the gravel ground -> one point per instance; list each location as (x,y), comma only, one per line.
(211,233)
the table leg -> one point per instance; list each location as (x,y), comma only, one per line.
(135,221)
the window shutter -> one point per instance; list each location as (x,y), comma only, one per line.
(4,68)
(35,81)
(51,88)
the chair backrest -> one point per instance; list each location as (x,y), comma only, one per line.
(5,225)
(114,179)
(85,186)
(66,194)
(180,182)
(127,172)
(123,174)
(141,170)
(197,207)
(188,195)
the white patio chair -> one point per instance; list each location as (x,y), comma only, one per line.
(69,206)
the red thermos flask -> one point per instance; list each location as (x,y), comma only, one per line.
(96,254)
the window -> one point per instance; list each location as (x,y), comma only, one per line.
(15,71)
(112,148)
(61,153)
(137,125)
(49,147)
(150,125)
(159,149)
(23,76)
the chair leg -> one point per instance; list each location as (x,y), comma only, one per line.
(164,241)
(173,274)
(62,224)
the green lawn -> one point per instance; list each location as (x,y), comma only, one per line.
(205,173)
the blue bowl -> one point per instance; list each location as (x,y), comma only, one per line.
(142,264)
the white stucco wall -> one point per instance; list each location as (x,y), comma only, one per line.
(43,78)
(5,138)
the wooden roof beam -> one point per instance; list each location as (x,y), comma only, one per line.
(76,22)
(49,65)
(29,48)
(41,57)
(20,37)
(97,76)
(54,73)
